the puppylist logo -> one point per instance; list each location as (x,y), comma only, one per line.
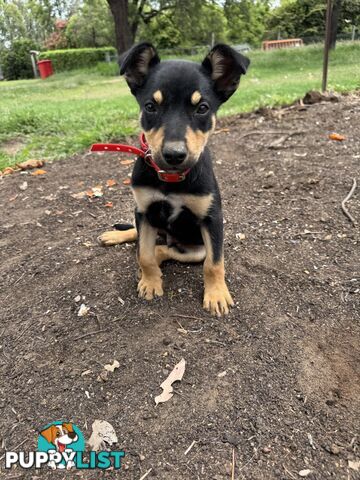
(61,445)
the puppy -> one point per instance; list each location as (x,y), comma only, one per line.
(174,186)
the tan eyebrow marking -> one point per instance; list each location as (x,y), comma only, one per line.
(158,96)
(195,97)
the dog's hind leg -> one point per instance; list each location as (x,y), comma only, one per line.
(193,254)
(124,233)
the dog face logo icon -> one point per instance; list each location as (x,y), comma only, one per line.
(59,438)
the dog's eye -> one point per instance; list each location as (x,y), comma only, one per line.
(150,107)
(202,109)
(58,434)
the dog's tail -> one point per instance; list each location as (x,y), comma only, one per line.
(123,226)
(123,233)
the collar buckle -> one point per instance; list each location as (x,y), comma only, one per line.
(171,177)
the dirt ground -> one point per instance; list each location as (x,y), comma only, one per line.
(277,382)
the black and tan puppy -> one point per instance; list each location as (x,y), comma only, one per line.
(178,102)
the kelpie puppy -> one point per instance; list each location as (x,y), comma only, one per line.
(174,186)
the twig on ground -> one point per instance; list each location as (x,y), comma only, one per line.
(89,334)
(287,471)
(271,132)
(247,463)
(279,141)
(189,448)
(146,474)
(181,329)
(233,465)
(22,333)
(346,199)
(186,316)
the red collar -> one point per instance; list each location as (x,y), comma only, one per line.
(145,153)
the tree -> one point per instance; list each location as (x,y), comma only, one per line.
(176,27)
(91,26)
(336,7)
(247,19)
(305,18)
(16,60)
(128,16)
(124,37)
(12,24)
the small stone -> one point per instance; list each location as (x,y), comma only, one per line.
(267,450)
(77,298)
(240,236)
(23,186)
(83,310)
(141,458)
(166,341)
(304,473)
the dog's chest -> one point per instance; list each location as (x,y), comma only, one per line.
(170,206)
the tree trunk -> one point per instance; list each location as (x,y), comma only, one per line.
(334,22)
(123,35)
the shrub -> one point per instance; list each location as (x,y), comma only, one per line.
(76,58)
(107,69)
(16,61)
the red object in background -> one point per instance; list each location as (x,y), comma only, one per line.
(45,68)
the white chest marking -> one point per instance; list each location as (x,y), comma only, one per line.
(199,205)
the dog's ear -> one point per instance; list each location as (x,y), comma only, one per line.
(136,63)
(225,67)
(68,426)
(49,434)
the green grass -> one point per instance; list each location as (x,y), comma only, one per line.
(68,112)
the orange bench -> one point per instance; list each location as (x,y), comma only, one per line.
(290,42)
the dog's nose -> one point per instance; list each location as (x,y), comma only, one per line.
(72,435)
(174,153)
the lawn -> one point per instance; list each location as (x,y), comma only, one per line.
(66,113)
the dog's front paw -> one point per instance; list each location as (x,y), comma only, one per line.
(217,300)
(148,287)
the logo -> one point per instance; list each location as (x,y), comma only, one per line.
(61,445)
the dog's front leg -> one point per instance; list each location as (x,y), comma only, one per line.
(150,283)
(217,298)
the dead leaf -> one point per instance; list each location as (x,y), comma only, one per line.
(83,310)
(23,186)
(79,195)
(103,436)
(109,204)
(176,375)
(98,191)
(112,367)
(38,172)
(337,137)
(126,162)
(111,182)
(29,164)
(127,181)
(8,171)
(90,193)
